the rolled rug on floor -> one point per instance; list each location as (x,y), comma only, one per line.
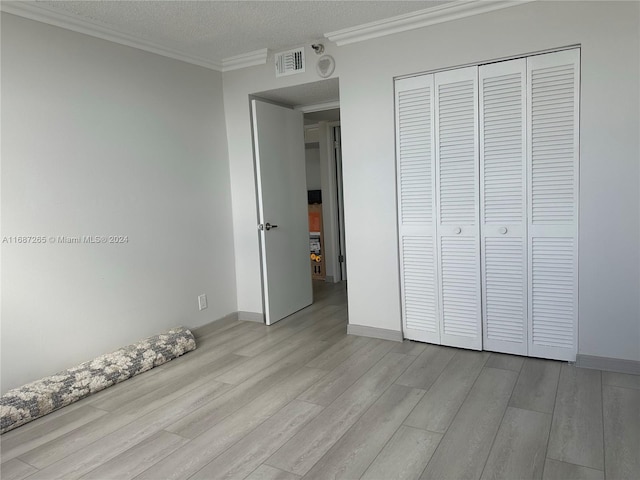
(35,399)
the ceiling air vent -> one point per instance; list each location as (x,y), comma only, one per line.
(290,62)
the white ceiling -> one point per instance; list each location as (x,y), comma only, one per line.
(312,93)
(332,115)
(216,30)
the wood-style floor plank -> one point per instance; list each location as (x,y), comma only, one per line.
(442,401)
(202,386)
(138,458)
(19,441)
(266,472)
(82,461)
(350,456)
(405,456)
(409,347)
(621,380)
(576,429)
(339,352)
(255,364)
(427,367)
(300,453)
(245,456)
(557,470)
(507,362)
(520,447)
(15,469)
(187,460)
(157,385)
(464,449)
(342,377)
(537,385)
(198,421)
(621,432)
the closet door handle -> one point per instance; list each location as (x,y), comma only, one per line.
(503,230)
(457,230)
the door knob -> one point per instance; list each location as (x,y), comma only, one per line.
(502,230)
(457,230)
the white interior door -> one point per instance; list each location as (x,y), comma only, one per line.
(416,208)
(278,136)
(503,205)
(457,172)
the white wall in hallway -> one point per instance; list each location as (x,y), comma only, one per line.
(312,159)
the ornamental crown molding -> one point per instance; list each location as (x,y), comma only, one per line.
(421,18)
(68,21)
(418,19)
(257,57)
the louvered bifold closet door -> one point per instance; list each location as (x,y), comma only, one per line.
(553,82)
(503,205)
(457,164)
(415,176)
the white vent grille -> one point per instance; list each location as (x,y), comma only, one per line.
(290,62)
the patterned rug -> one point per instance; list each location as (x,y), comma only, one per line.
(35,399)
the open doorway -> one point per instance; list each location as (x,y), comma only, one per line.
(319,104)
(324,184)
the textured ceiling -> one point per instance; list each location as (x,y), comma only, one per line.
(216,30)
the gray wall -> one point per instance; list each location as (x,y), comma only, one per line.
(103,139)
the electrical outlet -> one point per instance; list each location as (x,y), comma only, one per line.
(202,301)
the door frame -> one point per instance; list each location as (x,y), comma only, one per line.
(336,162)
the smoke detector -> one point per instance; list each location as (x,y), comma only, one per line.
(325,66)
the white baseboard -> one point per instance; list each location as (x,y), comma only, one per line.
(608,364)
(373,332)
(212,326)
(251,317)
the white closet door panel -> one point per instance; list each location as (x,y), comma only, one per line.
(415,165)
(552,149)
(457,164)
(505,295)
(553,297)
(503,205)
(419,288)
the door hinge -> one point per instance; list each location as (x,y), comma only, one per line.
(341,258)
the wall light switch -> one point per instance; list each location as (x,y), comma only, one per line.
(202,301)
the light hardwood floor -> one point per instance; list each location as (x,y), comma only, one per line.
(303,399)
